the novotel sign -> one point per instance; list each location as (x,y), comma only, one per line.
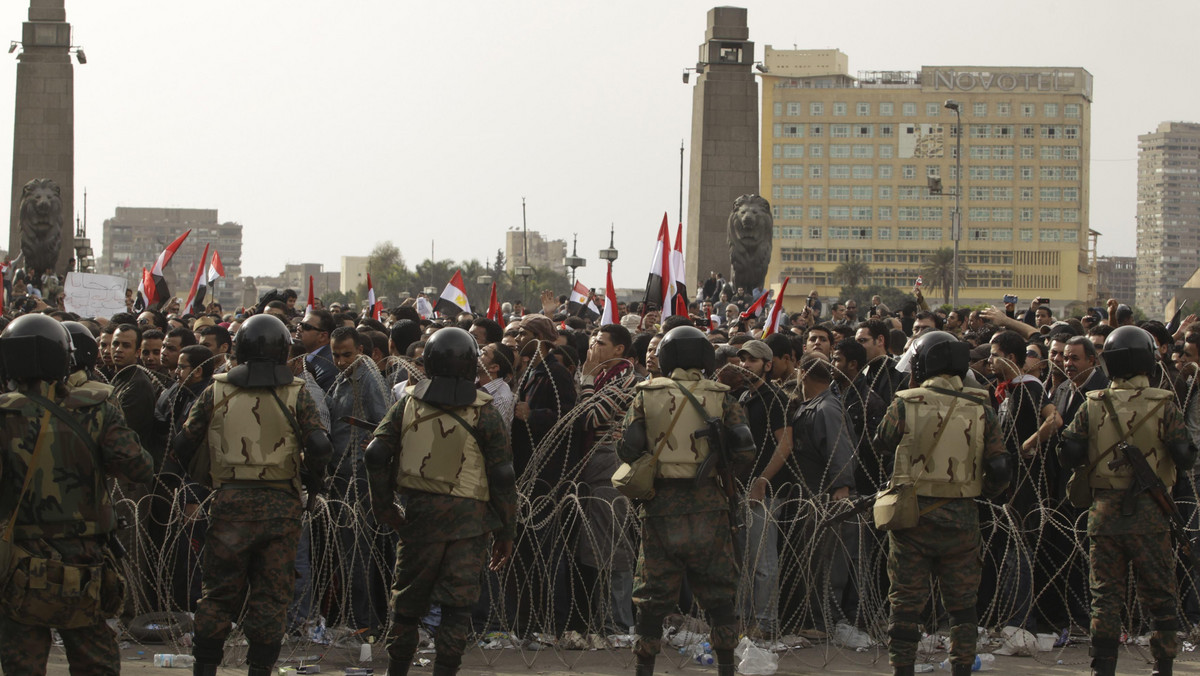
(1041,81)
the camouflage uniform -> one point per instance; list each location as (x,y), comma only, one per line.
(1142,539)
(945,543)
(253,534)
(67,580)
(685,531)
(443,546)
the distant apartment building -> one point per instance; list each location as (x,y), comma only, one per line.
(852,166)
(295,276)
(1116,277)
(354,273)
(543,253)
(1168,212)
(135,236)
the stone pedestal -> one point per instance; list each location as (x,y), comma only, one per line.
(44,124)
(724,159)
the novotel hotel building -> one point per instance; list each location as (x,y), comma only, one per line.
(864,168)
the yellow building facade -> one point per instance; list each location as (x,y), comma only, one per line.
(851,166)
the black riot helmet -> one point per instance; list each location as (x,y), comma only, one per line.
(1129,351)
(261,350)
(36,347)
(86,347)
(939,353)
(686,347)
(451,359)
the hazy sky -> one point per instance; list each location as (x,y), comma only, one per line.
(325,127)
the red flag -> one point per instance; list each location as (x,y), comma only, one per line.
(773,321)
(454,297)
(611,314)
(215,269)
(312,299)
(373,307)
(495,313)
(146,290)
(658,285)
(158,291)
(680,289)
(580,304)
(196,294)
(757,308)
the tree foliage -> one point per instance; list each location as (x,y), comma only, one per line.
(852,272)
(938,273)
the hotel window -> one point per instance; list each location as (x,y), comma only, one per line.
(790,130)
(980,153)
(979,194)
(908,233)
(883,233)
(1026,216)
(863,171)
(886,152)
(1071,110)
(839,192)
(931,213)
(793,192)
(1070,152)
(1047,235)
(979,234)
(932,171)
(1051,152)
(886,131)
(839,150)
(838,232)
(839,171)
(1049,194)
(886,108)
(1070,173)
(1050,110)
(1070,215)
(1002,131)
(1070,131)
(814,233)
(1070,194)
(1049,215)
(793,171)
(1002,194)
(839,213)
(816,150)
(816,192)
(862,192)
(885,192)
(862,108)
(777,108)
(1026,110)
(793,109)
(793,150)
(931,233)
(1026,173)
(814,171)
(1027,152)
(932,109)
(814,213)
(1026,234)
(979,109)
(1002,215)
(793,213)
(776,170)
(981,130)
(864,151)
(861,214)
(1002,234)
(885,171)
(1027,131)
(839,131)
(1051,131)
(979,214)
(1051,173)
(839,109)
(910,214)
(1002,173)
(1069,235)
(908,109)
(1003,109)
(980,173)
(908,171)
(816,131)
(909,192)
(864,131)
(816,108)
(1002,152)
(885,213)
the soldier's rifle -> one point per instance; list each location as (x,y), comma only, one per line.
(1146,480)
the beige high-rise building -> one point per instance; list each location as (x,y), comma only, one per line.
(850,165)
(1168,213)
(543,253)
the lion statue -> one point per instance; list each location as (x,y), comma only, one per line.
(41,224)
(751,229)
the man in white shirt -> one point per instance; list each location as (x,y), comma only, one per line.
(495,370)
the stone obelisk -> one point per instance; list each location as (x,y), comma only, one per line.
(44,124)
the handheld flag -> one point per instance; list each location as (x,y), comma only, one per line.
(757,308)
(215,269)
(611,314)
(312,299)
(157,292)
(495,313)
(373,306)
(195,299)
(580,303)
(680,296)
(454,297)
(145,291)
(773,321)
(658,285)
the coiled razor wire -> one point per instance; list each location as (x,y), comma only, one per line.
(548,603)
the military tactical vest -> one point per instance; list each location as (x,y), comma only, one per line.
(250,438)
(67,496)
(437,454)
(661,400)
(1132,399)
(953,468)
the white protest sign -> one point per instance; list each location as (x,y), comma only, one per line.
(90,295)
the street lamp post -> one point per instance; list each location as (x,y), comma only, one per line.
(523,270)
(956,222)
(574,260)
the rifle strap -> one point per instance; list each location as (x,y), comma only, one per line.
(1125,436)
(662,443)
(466,425)
(692,398)
(38,445)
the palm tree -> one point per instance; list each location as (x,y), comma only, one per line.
(851,271)
(938,271)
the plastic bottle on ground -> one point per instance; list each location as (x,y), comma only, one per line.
(170,661)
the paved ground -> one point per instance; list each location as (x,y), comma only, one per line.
(817,660)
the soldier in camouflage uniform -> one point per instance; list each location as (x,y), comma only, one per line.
(256,420)
(65,575)
(685,526)
(946,441)
(444,446)
(1141,537)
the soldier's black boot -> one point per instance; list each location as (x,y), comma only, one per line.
(1163,667)
(961,669)
(726,662)
(260,658)
(1104,656)
(208,653)
(445,667)
(645,665)
(903,670)
(398,667)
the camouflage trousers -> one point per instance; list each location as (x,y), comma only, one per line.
(1153,560)
(952,556)
(90,650)
(251,563)
(699,546)
(446,573)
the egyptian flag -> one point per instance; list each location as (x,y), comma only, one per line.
(195,299)
(157,294)
(454,297)
(677,277)
(374,307)
(312,298)
(776,311)
(611,314)
(145,291)
(658,285)
(580,303)
(757,308)
(494,312)
(215,269)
